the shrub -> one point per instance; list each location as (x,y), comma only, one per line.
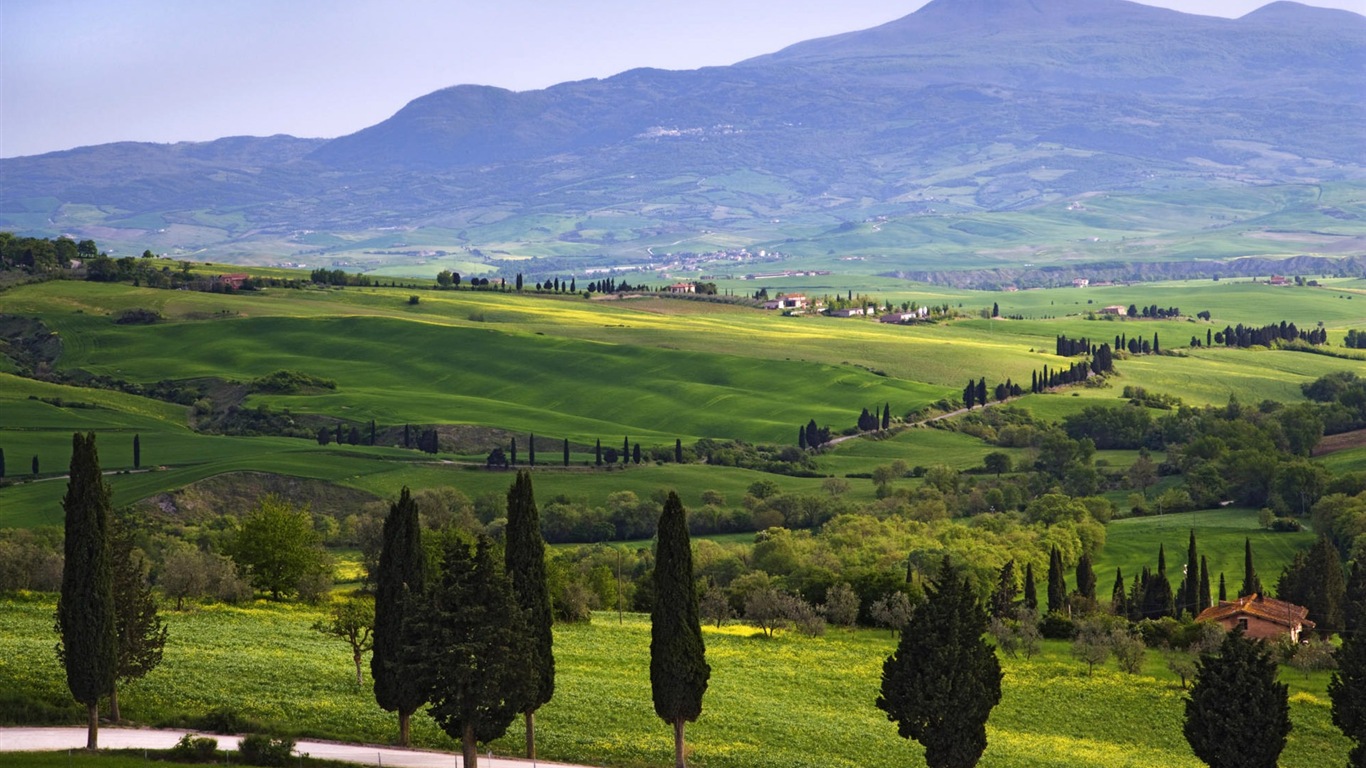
(260,749)
(1056,626)
(224,720)
(194,749)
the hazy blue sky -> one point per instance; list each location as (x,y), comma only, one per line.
(78,72)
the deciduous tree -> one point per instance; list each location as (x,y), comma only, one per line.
(278,547)
(1347,690)
(678,664)
(353,621)
(137,626)
(943,680)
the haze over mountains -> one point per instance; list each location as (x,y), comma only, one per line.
(965,105)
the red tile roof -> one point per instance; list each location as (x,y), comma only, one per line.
(1270,609)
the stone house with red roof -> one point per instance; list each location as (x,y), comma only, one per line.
(1260,617)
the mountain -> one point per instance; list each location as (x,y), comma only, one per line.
(964,105)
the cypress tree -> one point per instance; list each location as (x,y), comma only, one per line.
(943,680)
(1223,590)
(35,465)
(372,432)
(1057,582)
(87,644)
(566,451)
(524,558)
(982,391)
(1190,584)
(1086,578)
(399,582)
(2,463)
(625,449)
(635,453)
(1237,715)
(141,635)
(801,438)
(678,665)
(137,456)
(1119,596)
(1347,691)
(1202,598)
(1031,596)
(1354,603)
(678,450)
(597,453)
(1003,599)
(531,450)
(512,451)
(1251,584)
(886,415)
(471,647)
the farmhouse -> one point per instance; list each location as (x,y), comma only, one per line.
(791,301)
(1260,617)
(1115,309)
(848,312)
(235,279)
(1279,280)
(683,288)
(1080,282)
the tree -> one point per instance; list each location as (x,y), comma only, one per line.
(1057,582)
(531,450)
(566,451)
(278,547)
(1003,597)
(1190,582)
(625,449)
(982,391)
(1251,584)
(137,452)
(2,463)
(1086,578)
(678,664)
(87,644)
(140,633)
(886,415)
(399,581)
(353,621)
(1347,691)
(996,463)
(714,606)
(512,452)
(1315,581)
(597,453)
(1031,597)
(35,465)
(471,648)
(943,680)
(970,394)
(678,450)
(841,605)
(524,558)
(1237,715)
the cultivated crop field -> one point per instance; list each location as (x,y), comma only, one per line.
(781,702)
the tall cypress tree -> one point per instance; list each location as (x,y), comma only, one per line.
(524,557)
(943,680)
(1223,590)
(597,453)
(137,626)
(1003,598)
(399,582)
(1354,603)
(678,664)
(2,463)
(512,451)
(1086,578)
(1251,584)
(982,391)
(1190,583)
(1057,582)
(531,450)
(678,450)
(87,646)
(626,450)
(886,415)
(1237,715)
(1119,595)
(1031,595)
(137,452)
(566,451)
(1203,597)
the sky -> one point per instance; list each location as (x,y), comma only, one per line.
(82,72)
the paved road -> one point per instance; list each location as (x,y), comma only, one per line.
(57,739)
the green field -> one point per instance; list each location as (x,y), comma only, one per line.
(289,677)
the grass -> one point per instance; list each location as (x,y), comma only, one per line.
(287,676)
(1132,543)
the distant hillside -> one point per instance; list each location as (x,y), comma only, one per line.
(965,105)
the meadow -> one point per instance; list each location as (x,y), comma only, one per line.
(653,370)
(288,677)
